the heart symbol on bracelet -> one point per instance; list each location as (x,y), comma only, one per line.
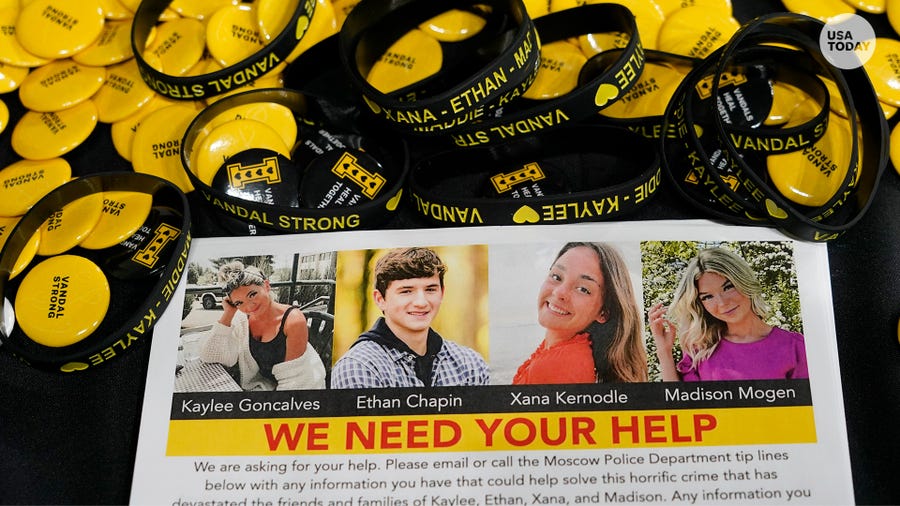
(526,214)
(775,211)
(605,93)
(394,201)
(73,366)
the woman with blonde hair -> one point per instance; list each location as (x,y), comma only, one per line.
(719,317)
(269,341)
(591,319)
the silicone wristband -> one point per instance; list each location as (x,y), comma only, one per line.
(759,203)
(613,172)
(120,330)
(286,219)
(373,25)
(215,83)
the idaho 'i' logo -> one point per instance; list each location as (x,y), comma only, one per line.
(704,86)
(266,171)
(149,254)
(529,172)
(348,167)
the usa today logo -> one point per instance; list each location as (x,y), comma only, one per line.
(847,41)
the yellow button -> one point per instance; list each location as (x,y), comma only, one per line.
(232,34)
(123,214)
(670,6)
(415,56)
(883,70)
(123,92)
(785,98)
(823,10)
(561,63)
(889,110)
(68,226)
(870,6)
(62,300)
(11,77)
(454,25)
(24,182)
(895,148)
(892,9)
(812,175)
(229,139)
(696,32)
(11,51)
(835,99)
(178,45)
(650,94)
(122,131)
(115,10)
(647,15)
(28,252)
(156,148)
(199,9)
(43,135)
(277,116)
(59,85)
(4,116)
(537,8)
(59,28)
(113,46)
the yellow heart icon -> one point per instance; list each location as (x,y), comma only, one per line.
(302,26)
(605,93)
(394,201)
(526,214)
(775,211)
(73,366)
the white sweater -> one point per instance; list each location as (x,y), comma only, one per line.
(229,345)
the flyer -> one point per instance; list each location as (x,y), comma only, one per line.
(500,428)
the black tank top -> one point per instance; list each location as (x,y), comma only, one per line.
(269,353)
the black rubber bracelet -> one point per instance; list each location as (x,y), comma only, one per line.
(137,304)
(373,25)
(390,151)
(568,175)
(228,79)
(729,187)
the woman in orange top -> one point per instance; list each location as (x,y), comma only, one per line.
(593,325)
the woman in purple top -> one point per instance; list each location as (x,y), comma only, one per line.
(719,315)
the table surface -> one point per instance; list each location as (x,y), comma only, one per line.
(72,438)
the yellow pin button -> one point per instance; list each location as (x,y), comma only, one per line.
(889,110)
(884,71)
(59,85)
(647,15)
(812,175)
(122,131)
(823,10)
(279,117)
(232,34)
(4,116)
(123,92)
(413,57)
(68,226)
(177,46)
(156,148)
(7,224)
(111,47)
(11,51)
(895,148)
(11,77)
(454,25)
(43,135)
(24,182)
(115,10)
(537,8)
(870,6)
(59,28)
(785,98)
(670,6)
(650,93)
(199,9)
(62,300)
(229,139)
(123,214)
(561,63)
(696,32)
